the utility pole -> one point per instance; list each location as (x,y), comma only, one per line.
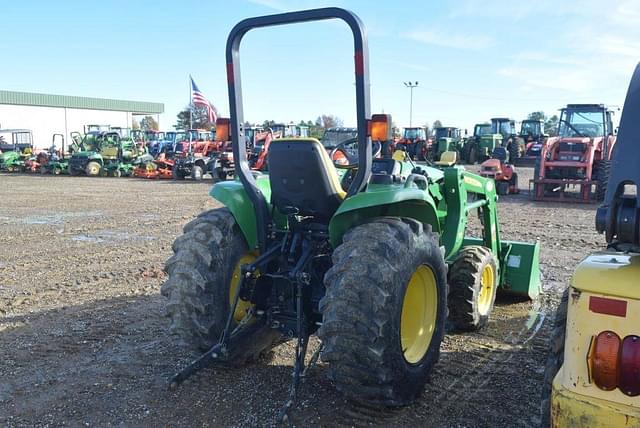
(410,85)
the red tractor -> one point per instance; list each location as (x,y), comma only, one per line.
(580,157)
(414,143)
(504,173)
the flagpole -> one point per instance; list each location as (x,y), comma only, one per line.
(190,106)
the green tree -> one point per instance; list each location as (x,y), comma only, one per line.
(437,124)
(551,126)
(200,118)
(329,121)
(537,115)
(148,123)
(268,124)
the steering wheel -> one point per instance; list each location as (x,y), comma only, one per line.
(580,134)
(348,150)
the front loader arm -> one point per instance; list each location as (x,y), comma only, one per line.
(458,185)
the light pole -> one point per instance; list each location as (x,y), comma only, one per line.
(410,85)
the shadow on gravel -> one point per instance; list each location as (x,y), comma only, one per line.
(524,200)
(109,362)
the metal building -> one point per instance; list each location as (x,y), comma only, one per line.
(47,114)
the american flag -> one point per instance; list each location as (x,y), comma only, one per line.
(198,99)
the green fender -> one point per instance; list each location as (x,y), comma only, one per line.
(235,198)
(377,201)
(380,201)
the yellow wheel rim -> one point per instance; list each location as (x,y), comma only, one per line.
(419,314)
(487,284)
(243,305)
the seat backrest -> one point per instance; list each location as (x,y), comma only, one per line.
(448,158)
(303,178)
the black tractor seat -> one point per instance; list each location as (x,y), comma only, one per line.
(501,154)
(303,179)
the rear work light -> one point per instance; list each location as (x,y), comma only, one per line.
(615,363)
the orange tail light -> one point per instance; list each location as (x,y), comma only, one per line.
(380,127)
(603,360)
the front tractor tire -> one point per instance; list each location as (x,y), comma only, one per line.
(177,174)
(384,311)
(473,282)
(197,172)
(202,278)
(93,169)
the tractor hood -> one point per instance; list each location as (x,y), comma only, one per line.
(9,156)
(87,154)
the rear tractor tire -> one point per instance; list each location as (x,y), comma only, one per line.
(555,358)
(502,188)
(222,174)
(601,173)
(202,278)
(473,282)
(384,311)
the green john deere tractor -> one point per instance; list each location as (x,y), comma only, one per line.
(448,139)
(370,256)
(472,149)
(514,144)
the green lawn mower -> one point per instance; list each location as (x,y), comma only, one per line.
(370,256)
(13,154)
(119,156)
(57,162)
(87,160)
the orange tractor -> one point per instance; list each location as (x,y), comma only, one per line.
(580,157)
(162,165)
(257,141)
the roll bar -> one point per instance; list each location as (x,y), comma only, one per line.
(361,62)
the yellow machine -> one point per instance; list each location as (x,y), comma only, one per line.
(592,377)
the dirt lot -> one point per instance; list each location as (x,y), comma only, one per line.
(82,330)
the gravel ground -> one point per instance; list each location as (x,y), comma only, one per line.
(82,326)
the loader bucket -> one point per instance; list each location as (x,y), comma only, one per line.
(520,267)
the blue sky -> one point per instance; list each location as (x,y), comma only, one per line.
(473,59)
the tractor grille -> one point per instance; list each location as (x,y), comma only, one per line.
(78,162)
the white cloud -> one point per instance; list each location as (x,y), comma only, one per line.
(448,40)
(573,80)
(529,57)
(593,53)
(271,4)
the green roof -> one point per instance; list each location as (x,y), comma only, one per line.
(48,100)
